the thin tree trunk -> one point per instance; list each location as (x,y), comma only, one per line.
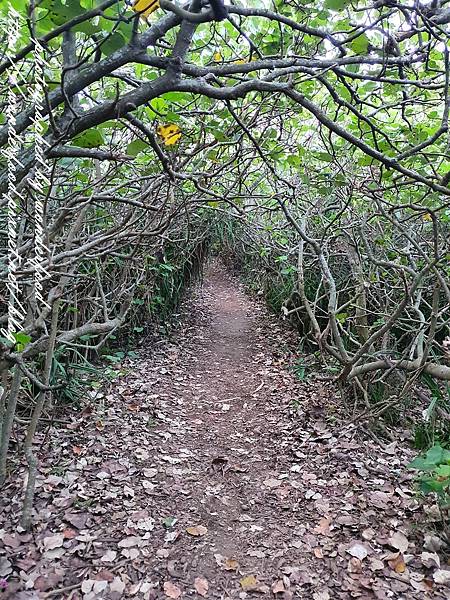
(9,420)
(32,460)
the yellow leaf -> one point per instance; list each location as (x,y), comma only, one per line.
(197,530)
(217,57)
(241,61)
(397,563)
(145,7)
(170,133)
(249,583)
(427,217)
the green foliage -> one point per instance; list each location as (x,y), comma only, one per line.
(22,340)
(434,473)
(92,138)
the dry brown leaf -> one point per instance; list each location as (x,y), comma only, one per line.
(201,586)
(397,564)
(318,552)
(229,564)
(69,533)
(272,483)
(53,541)
(322,595)
(197,530)
(129,542)
(430,559)
(354,565)
(278,587)
(171,590)
(323,527)
(109,556)
(399,541)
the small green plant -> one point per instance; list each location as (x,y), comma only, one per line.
(435,471)
(434,478)
(299,369)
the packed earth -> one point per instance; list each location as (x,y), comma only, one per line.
(211,469)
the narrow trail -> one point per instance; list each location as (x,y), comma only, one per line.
(209,470)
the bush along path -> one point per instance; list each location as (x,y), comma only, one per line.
(209,470)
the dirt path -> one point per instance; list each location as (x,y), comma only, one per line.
(209,470)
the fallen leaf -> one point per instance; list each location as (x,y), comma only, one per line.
(430,559)
(229,564)
(129,542)
(171,536)
(442,576)
(249,583)
(99,587)
(76,519)
(358,551)
(53,541)
(399,541)
(197,530)
(278,587)
(323,527)
(12,541)
(69,533)
(117,585)
(354,565)
(171,590)
(272,483)
(376,564)
(322,595)
(150,473)
(257,553)
(397,563)
(5,566)
(201,586)
(48,582)
(87,585)
(109,556)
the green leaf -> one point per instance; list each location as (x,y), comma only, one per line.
(61,13)
(337,4)
(112,43)
(169,522)
(22,339)
(443,471)
(420,464)
(136,146)
(89,139)
(324,156)
(360,44)
(435,454)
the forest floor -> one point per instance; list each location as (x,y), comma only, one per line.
(210,470)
